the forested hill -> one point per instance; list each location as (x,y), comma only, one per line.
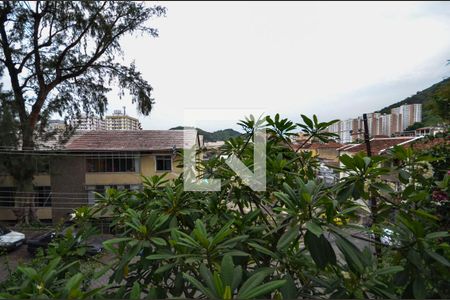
(219,135)
(424,97)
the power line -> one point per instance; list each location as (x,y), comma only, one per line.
(53,193)
(92,154)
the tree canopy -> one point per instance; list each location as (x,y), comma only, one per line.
(62,57)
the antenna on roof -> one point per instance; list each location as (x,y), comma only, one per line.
(124,112)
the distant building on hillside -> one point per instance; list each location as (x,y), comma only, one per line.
(120,121)
(87,123)
(428,131)
(407,115)
(56,125)
(395,123)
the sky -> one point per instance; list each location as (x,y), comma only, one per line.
(335,60)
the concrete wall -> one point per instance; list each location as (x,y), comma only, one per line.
(39,180)
(43,213)
(328,153)
(68,185)
(6,213)
(68,180)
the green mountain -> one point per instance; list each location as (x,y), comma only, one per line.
(424,97)
(219,135)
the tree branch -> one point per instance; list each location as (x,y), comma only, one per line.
(76,41)
(18,97)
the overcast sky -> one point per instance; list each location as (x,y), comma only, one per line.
(337,60)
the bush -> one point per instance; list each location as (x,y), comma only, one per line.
(298,239)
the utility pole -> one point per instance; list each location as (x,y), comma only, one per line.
(372,201)
(366,136)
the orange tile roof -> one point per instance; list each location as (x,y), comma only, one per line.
(330,145)
(429,143)
(378,145)
(131,140)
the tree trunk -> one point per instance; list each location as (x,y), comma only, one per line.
(23,174)
(25,210)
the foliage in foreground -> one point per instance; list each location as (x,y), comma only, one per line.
(301,238)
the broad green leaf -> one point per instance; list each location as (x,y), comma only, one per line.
(223,233)
(226,270)
(227,295)
(347,161)
(208,279)
(389,270)
(419,288)
(135,291)
(262,289)
(158,241)
(383,187)
(231,243)
(218,284)
(314,228)
(237,277)
(200,233)
(436,235)
(383,292)
(287,237)
(307,121)
(29,272)
(352,254)
(74,282)
(164,268)
(263,250)
(289,289)
(236,253)
(320,249)
(253,281)
(199,286)
(424,214)
(116,240)
(439,258)
(161,256)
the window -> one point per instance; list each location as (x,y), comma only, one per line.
(7,196)
(163,163)
(42,166)
(43,196)
(112,163)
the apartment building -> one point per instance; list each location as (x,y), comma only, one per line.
(386,124)
(396,122)
(56,125)
(87,123)
(92,161)
(120,121)
(407,115)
